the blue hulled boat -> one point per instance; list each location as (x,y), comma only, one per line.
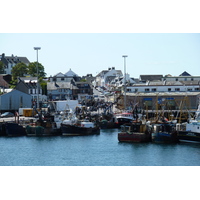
(164,133)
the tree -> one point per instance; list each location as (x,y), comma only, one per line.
(32,70)
(43,85)
(1,68)
(83,80)
(19,70)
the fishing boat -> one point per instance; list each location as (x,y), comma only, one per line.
(135,132)
(2,129)
(164,132)
(123,118)
(190,131)
(79,127)
(106,124)
(47,125)
(12,129)
(44,128)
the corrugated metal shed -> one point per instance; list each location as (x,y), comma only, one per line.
(15,100)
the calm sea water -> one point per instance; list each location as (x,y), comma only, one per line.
(95,150)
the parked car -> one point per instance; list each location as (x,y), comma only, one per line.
(7,114)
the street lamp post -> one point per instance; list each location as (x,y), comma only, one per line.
(124,56)
(37,48)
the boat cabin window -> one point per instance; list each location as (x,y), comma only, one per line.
(125,128)
(135,128)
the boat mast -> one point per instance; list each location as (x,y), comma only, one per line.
(124,56)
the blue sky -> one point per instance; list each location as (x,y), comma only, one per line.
(85,53)
(159,37)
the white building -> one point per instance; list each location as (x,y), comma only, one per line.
(104,78)
(185,76)
(165,86)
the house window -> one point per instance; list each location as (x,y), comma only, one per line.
(169,89)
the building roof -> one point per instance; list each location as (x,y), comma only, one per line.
(103,72)
(60,85)
(161,94)
(60,74)
(3,83)
(168,83)
(29,79)
(151,77)
(194,82)
(15,59)
(156,83)
(185,74)
(70,73)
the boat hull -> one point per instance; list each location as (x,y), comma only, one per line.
(135,132)
(134,137)
(188,136)
(164,133)
(107,125)
(68,130)
(163,137)
(14,130)
(41,131)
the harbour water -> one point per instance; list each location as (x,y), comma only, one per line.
(94,150)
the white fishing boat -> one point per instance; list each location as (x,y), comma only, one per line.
(79,127)
(190,131)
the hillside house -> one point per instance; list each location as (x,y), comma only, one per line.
(29,86)
(104,78)
(10,61)
(68,86)
(185,76)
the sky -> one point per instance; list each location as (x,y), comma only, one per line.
(90,53)
(159,37)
